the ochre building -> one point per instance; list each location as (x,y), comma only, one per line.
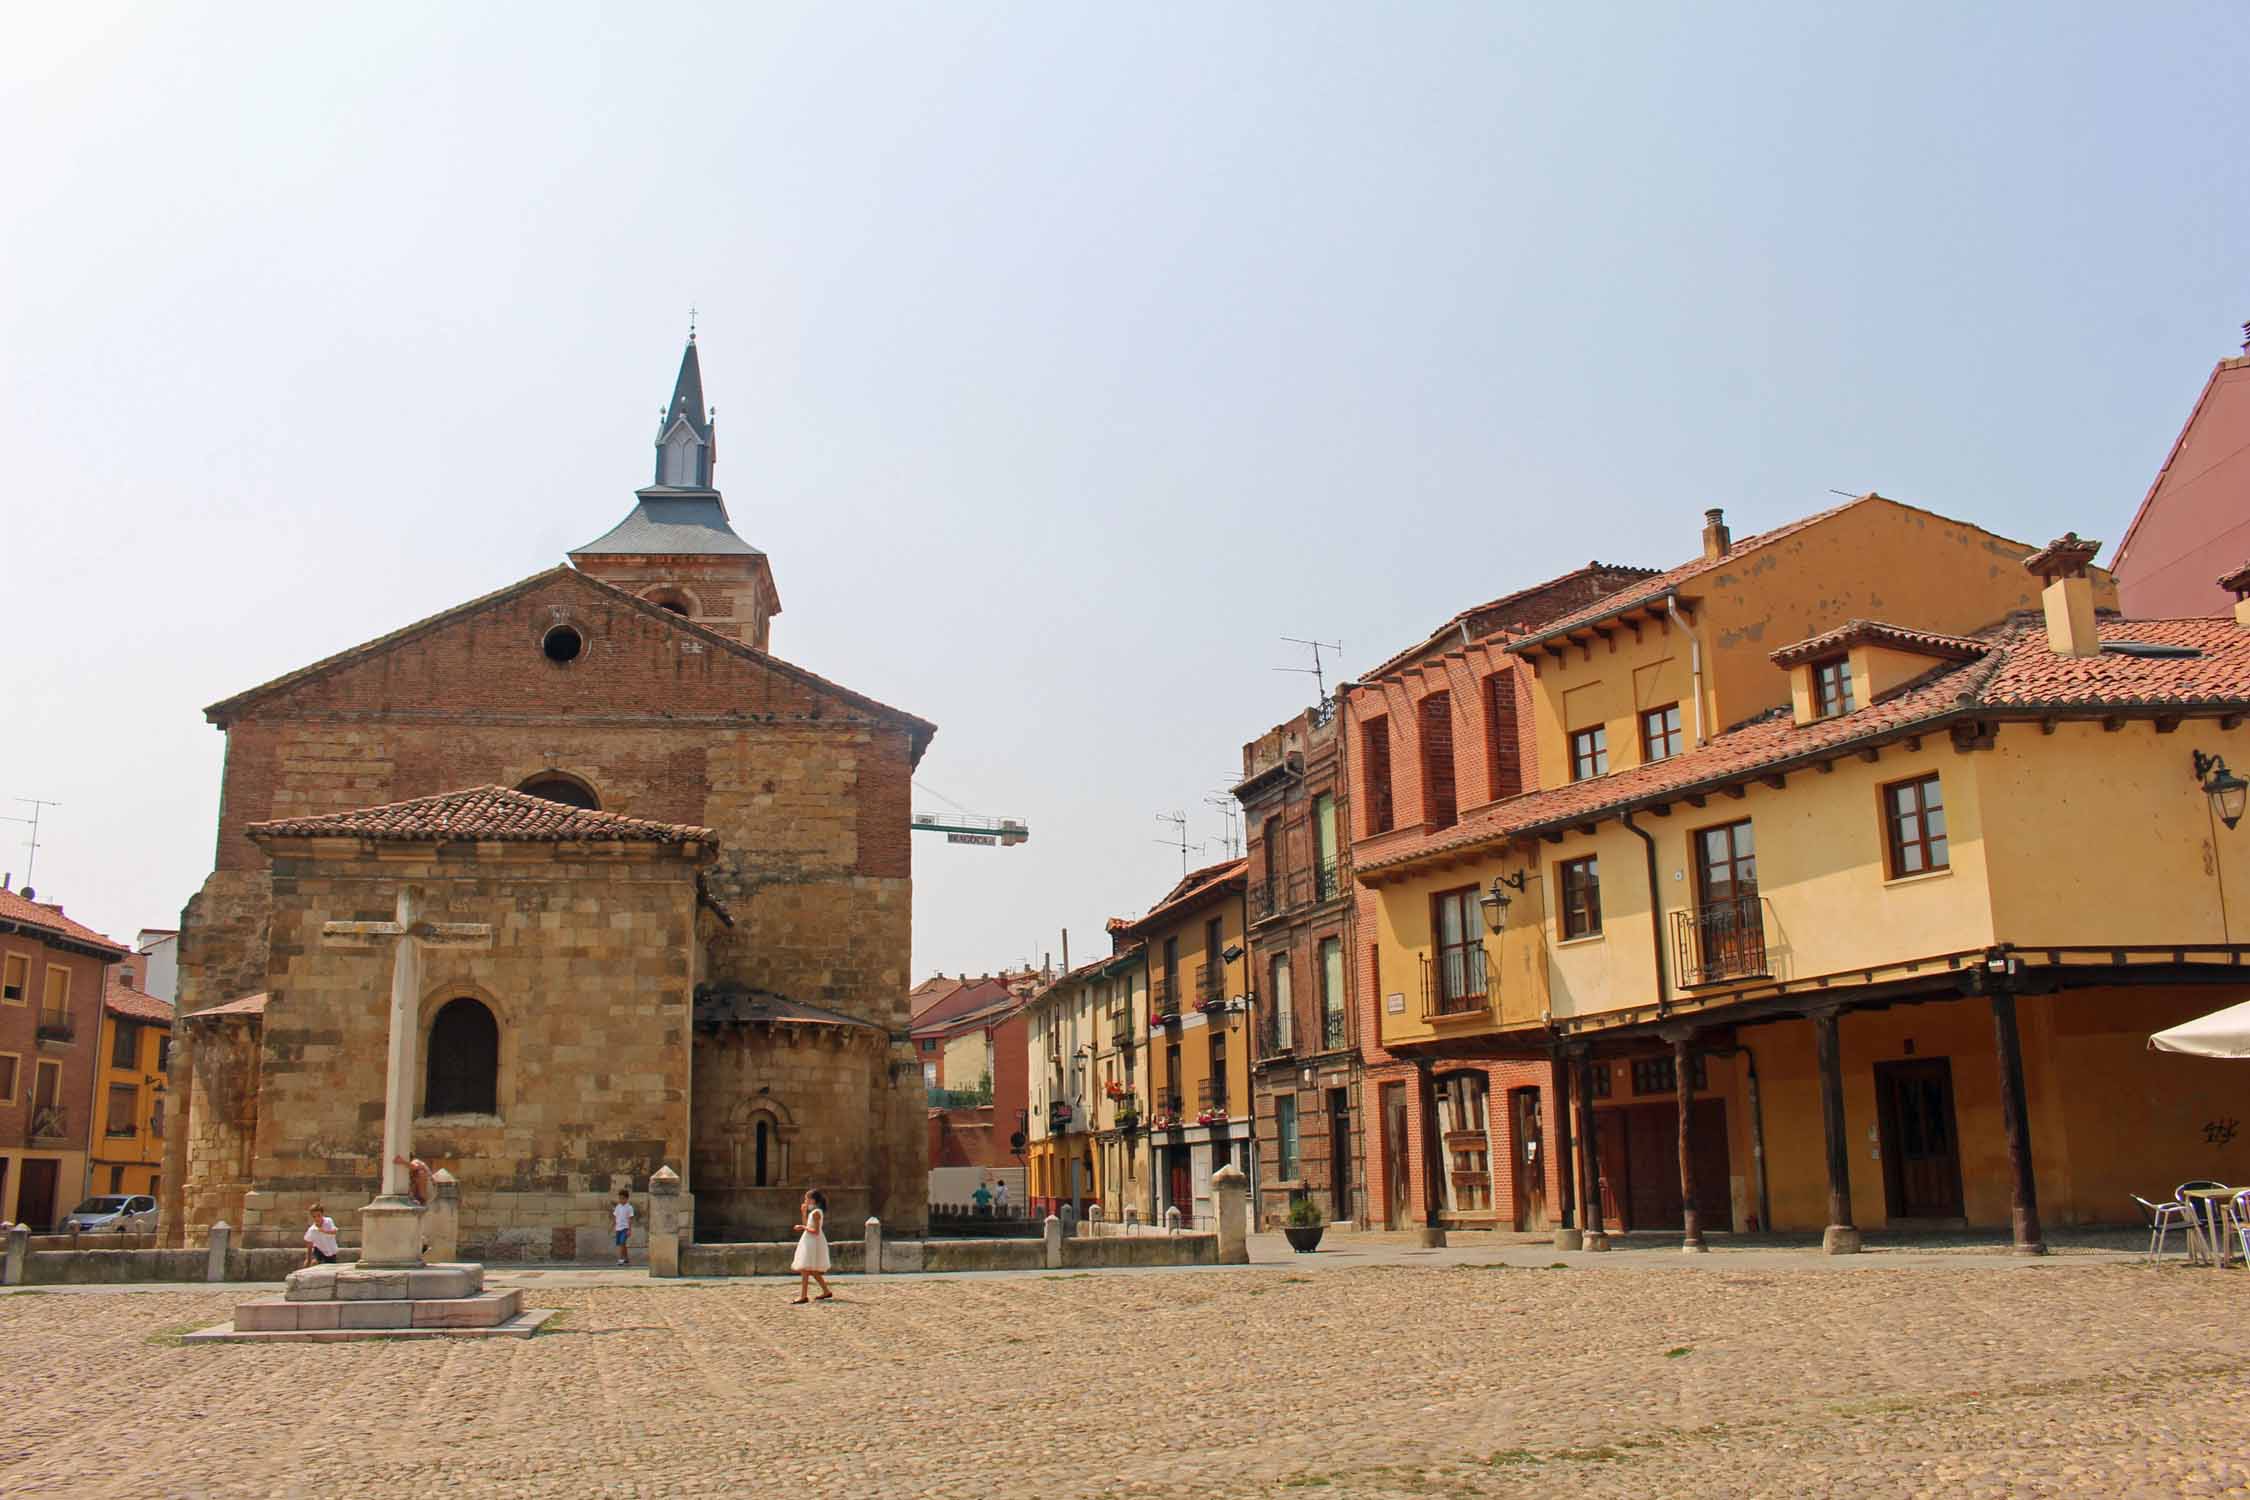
(706,971)
(129,1088)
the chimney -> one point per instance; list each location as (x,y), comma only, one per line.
(2069,596)
(2237,583)
(1717,540)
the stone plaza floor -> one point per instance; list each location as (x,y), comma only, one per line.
(1367,1372)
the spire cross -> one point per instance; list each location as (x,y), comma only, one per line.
(691,325)
(408,936)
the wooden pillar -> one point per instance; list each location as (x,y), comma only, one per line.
(1433,1157)
(1589,1165)
(1683,1091)
(1840,1237)
(2015,1117)
(1566,1149)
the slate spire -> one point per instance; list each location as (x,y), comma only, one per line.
(687,438)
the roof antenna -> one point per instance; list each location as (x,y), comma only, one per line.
(1320,678)
(32,843)
(1178,820)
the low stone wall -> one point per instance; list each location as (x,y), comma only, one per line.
(771,1258)
(101,1267)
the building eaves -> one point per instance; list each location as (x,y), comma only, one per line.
(46,922)
(1447,636)
(1876,633)
(483,814)
(1196,887)
(667,522)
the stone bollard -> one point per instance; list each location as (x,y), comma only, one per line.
(1132,1218)
(1232,1189)
(16,1263)
(1171,1221)
(1094,1220)
(1567,1238)
(1070,1221)
(666,1222)
(874,1256)
(1054,1243)
(215,1261)
(442,1225)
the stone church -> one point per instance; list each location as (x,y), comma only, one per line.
(691,856)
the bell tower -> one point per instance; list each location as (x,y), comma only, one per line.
(676,548)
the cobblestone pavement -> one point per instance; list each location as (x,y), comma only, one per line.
(2052,1378)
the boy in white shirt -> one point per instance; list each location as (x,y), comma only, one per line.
(621,1216)
(320,1239)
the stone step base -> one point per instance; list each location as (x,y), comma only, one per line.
(522,1326)
(355,1283)
(281,1315)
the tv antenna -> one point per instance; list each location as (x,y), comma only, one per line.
(1231,811)
(32,843)
(1179,839)
(1319,677)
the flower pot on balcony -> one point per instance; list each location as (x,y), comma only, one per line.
(1303,1238)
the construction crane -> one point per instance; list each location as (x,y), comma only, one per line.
(964,827)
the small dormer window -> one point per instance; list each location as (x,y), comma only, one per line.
(1832,686)
(680,454)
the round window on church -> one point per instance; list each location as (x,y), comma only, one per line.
(562,644)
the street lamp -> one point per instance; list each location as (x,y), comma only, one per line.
(1495,901)
(2226,790)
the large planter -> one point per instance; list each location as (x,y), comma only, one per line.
(1304,1238)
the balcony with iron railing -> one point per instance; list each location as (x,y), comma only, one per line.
(1165,1111)
(1720,940)
(1277,1032)
(56,1024)
(1210,986)
(48,1123)
(1285,891)
(1453,983)
(1211,1096)
(1333,1029)
(1163,998)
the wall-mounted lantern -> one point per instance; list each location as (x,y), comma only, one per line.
(1495,901)
(2226,790)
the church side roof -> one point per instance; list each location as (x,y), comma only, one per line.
(672,523)
(483,813)
(226,710)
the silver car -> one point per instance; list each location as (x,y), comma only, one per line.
(113,1213)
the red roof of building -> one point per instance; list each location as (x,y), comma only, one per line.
(975,996)
(47,917)
(121,999)
(2145,665)
(484,812)
(1193,887)
(1876,633)
(248,1005)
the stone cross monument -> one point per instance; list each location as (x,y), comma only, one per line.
(391,1226)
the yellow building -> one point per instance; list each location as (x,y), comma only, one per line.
(1863,857)
(1117,1099)
(131,1062)
(1199,1109)
(1059,1166)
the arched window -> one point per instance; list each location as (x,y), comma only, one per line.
(675,600)
(763,1131)
(556,787)
(462,1073)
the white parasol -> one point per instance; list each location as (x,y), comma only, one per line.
(2223,1033)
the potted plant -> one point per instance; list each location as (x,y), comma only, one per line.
(1305,1225)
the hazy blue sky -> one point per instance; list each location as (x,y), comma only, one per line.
(1066,356)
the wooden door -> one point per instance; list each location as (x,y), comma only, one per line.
(1610,1156)
(1921,1151)
(1394,1155)
(1339,1154)
(1652,1166)
(35,1192)
(1530,1152)
(1182,1188)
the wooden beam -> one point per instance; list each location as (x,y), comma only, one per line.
(2166,723)
(1774,779)
(2015,1121)
(1871,754)
(2228,721)
(1913,742)
(1661,809)
(1825,1049)
(1737,791)
(2047,724)
(2112,724)
(1695,800)
(1826,768)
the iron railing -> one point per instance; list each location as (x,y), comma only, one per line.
(1210,985)
(1332,1030)
(1211,1094)
(1163,998)
(1284,892)
(1277,1032)
(1328,878)
(48,1123)
(1720,940)
(56,1025)
(1453,983)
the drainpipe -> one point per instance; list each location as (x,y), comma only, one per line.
(1655,910)
(1695,660)
(1757,1133)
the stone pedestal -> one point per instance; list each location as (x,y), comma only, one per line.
(1569,1239)
(441,1230)
(1232,1189)
(668,1219)
(871,1259)
(1595,1239)
(323,1303)
(1839,1239)
(1054,1237)
(215,1256)
(1430,1237)
(390,1233)
(17,1260)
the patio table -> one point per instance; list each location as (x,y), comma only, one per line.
(2218,1203)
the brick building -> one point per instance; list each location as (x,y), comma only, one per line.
(2193,526)
(51,982)
(1306,1068)
(709,972)
(1441,731)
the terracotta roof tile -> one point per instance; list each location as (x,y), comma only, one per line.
(248,1005)
(1876,633)
(2163,664)
(45,916)
(121,999)
(2067,556)
(1193,886)
(484,812)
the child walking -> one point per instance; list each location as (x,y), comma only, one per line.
(811,1260)
(621,1218)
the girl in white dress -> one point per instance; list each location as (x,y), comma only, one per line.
(811,1260)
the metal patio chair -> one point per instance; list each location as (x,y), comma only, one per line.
(2163,1218)
(2202,1220)
(2238,1209)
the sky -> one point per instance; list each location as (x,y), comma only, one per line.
(1067,357)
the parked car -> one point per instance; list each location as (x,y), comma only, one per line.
(113,1212)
